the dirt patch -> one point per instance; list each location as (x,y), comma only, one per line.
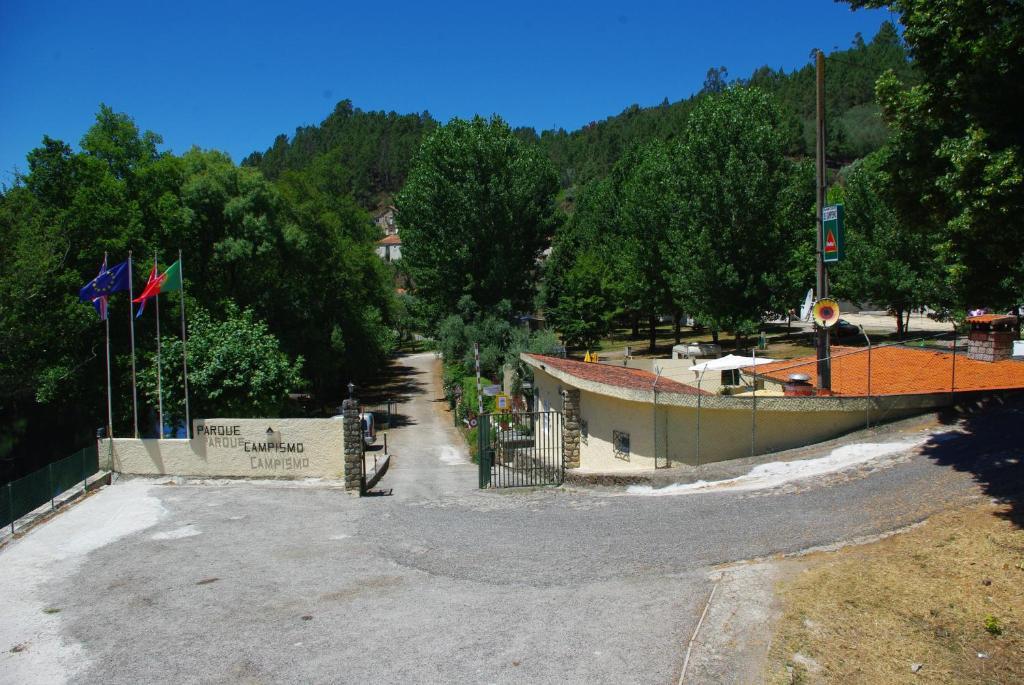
(941,603)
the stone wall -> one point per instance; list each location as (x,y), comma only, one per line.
(236,448)
(571,428)
(353,445)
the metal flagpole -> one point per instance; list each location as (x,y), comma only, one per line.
(479,393)
(106,320)
(184,347)
(159,371)
(131,320)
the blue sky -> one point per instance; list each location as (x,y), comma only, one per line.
(232,75)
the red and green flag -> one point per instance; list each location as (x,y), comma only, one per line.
(168,280)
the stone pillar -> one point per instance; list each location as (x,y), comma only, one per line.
(571,428)
(353,446)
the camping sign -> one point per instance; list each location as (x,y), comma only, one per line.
(832,241)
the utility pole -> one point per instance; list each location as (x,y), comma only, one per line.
(824,362)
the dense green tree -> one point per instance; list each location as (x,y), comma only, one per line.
(583,287)
(475,214)
(492,329)
(716,80)
(235,368)
(957,160)
(884,261)
(735,236)
(298,254)
(613,256)
(649,206)
(585,306)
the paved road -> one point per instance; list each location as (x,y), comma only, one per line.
(436,583)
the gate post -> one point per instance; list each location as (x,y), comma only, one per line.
(353,430)
(571,428)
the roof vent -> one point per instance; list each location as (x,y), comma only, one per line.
(797,385)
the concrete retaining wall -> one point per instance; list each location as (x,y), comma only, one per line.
(293,448)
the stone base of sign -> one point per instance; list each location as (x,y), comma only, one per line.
(236,448)
(353,446)
(571,428)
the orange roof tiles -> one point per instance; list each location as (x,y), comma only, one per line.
(897,370)
(618,376)
(992,318)
(390,240)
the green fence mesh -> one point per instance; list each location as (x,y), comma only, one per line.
(21,496)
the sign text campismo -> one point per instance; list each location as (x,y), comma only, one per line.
(271,453)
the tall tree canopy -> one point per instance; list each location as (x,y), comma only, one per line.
(720,225)
(957,162)
(583,288)
(886,262)
(296,255)
(476,212)
(742,220)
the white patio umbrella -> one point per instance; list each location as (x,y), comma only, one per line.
(730,362)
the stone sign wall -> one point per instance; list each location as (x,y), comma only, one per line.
(248,448)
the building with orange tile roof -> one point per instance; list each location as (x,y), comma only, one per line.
(901,370)
(630,419)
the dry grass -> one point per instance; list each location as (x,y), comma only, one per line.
(937,595)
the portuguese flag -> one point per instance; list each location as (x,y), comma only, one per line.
(168,280)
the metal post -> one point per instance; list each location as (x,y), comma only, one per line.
(753,405)
(824,375)
(952,380)
(159,363)
(49,478)
(10,504)
(184,348)
(699,394)
(479,390)
(131,321)
(654,388)
(867,408)
(106,321)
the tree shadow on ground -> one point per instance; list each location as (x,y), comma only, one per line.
(991,449)
(397,382)
(400,421)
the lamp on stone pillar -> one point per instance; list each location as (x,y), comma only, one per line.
(351,389)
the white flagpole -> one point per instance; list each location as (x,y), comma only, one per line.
(184,347)
(106,320)
(131,320)
(159,370)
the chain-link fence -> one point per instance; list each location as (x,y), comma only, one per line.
(21,496)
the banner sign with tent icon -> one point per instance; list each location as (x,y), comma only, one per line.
(832,225)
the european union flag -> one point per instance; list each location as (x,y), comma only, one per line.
(106,282)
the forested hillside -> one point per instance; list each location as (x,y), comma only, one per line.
(374,150)
(371,152)
(852,116)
